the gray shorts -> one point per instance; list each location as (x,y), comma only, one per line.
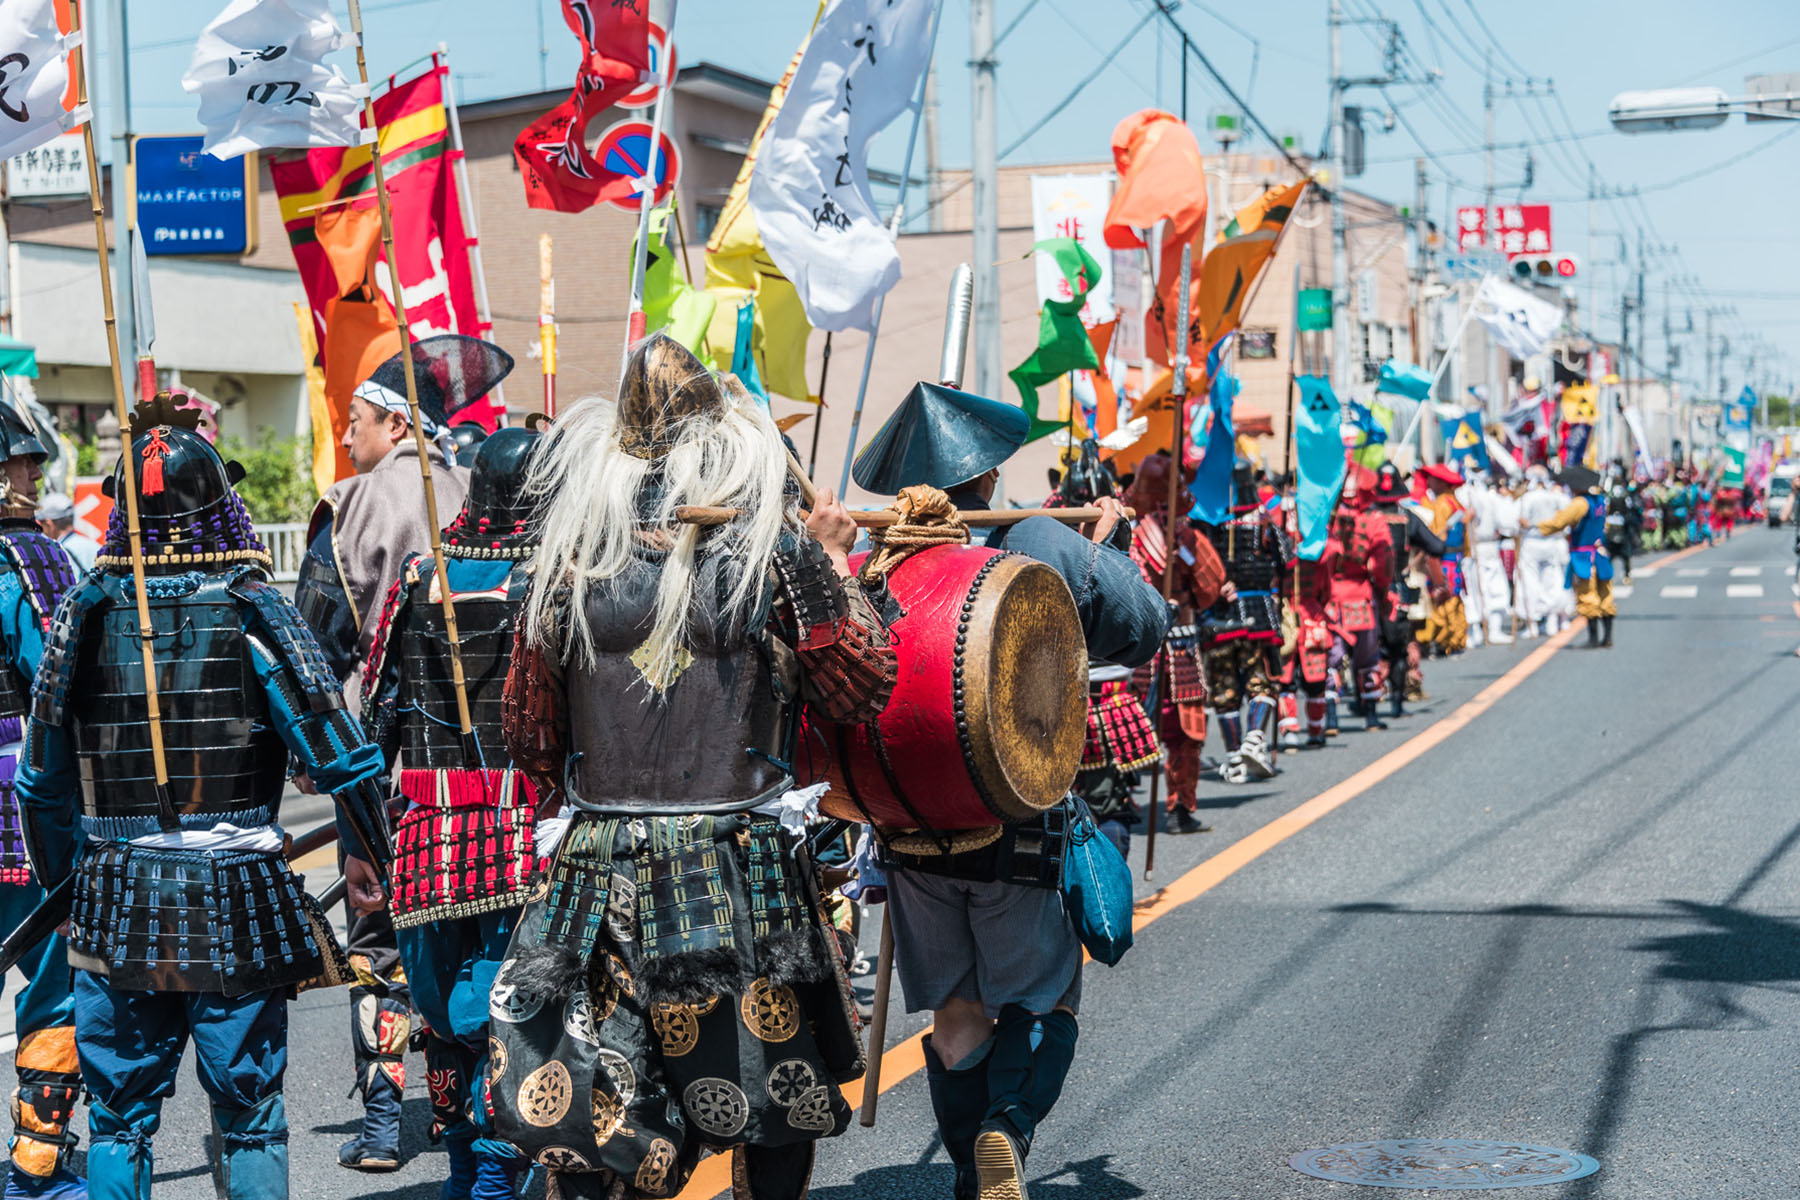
(995,943)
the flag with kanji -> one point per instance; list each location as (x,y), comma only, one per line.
(560,172)
(329,211)
(1161,178)
(1063,342)
(738,268)
(36,83)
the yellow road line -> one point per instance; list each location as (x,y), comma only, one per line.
(713,1176)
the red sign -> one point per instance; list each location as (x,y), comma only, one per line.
(624,157)
(1523,229)
(645,95)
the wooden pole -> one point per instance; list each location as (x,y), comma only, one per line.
(1178,438)
(128,467)
(412,383)
(812,459)
(466,198)
(547,323)
(884,984)
(975,518)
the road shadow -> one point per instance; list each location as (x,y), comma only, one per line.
(1230,799)
(1089,1179)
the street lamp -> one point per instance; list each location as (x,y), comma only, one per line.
(1694,108)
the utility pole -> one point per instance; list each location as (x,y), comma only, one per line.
(125,284)
(1490,224)
(1422,338)
(984,172)
(1340,255)
(1591,318)
(934,179)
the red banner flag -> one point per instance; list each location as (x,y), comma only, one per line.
(560,173)
(329,211)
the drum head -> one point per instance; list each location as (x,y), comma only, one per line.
(1024,693)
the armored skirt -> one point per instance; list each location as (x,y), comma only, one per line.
(671,988)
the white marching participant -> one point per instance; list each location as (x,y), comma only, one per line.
(1543,560)
(1493,515)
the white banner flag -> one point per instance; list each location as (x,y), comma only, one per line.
(260,72)
(1073,206)
(810,188)
(34,77)
(1517,320)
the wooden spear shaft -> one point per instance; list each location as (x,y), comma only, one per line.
(412,384)
(128,467)
(547,323)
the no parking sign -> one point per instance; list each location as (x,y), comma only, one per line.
(624,156)
(645,95)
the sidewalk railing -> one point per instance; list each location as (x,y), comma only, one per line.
(287,545)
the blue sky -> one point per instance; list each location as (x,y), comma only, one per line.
(1716,207)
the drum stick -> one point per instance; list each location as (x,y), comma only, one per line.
(884,983)
(1155,820)
(694,514)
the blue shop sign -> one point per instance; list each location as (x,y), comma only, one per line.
(189,202)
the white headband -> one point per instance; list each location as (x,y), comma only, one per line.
(388,400)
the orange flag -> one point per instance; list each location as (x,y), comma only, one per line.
(1106,400)
(360,330)
(1235,263)
(1161,178)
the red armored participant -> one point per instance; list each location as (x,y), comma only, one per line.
(1174,676)
(1317,635)
(1358,584)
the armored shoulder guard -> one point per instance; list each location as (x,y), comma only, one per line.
(44,567)
(814,591)
(299,648)
(50,690)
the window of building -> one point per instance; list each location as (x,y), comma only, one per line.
(706,219)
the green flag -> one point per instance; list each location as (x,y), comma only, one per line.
(1063,343)
(671,304)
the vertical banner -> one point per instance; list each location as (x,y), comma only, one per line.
(1319,459)
(1073,206)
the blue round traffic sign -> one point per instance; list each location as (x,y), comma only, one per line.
(624,155)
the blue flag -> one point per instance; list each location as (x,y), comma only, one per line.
(743,358)
(1463,440)
(1404,379)
(1319,457)
(1211,488)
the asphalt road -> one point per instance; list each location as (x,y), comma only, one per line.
(1566,923)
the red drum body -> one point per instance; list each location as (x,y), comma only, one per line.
(989,716)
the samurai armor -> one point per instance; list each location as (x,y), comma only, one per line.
(1119,732)
(465,846)
(712,732)
(192,921)
(430,727)
(45,573)
(603,1060)
(227,761)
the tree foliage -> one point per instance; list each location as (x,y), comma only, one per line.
(277,486)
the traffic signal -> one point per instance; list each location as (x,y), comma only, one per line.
(1545,268)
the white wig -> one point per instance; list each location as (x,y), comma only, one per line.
(601,504)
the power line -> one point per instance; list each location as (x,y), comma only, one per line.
(1075,91)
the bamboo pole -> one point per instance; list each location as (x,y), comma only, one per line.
(128,468)
(412,384)
(467,199)
(884,984)
(547,323)
(634,320)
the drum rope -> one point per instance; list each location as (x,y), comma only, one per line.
(927,518)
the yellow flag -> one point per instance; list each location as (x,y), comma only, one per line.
(737,267)
(1580,404)
(325,445)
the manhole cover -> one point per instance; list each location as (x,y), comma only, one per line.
(1452,1164)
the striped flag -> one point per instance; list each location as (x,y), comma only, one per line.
(329,212)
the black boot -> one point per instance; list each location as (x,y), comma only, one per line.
(1024,1080)
(1371,718)
(959,1098)
(771,1172)
(381,1028)
(1606,636)
(1397,704)
(1593,634)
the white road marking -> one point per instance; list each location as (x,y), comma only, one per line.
(1788,570)
(1644,572)
(1692,572)
(1745,572)
(1680,591)
(1623,591)
(1744,591)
